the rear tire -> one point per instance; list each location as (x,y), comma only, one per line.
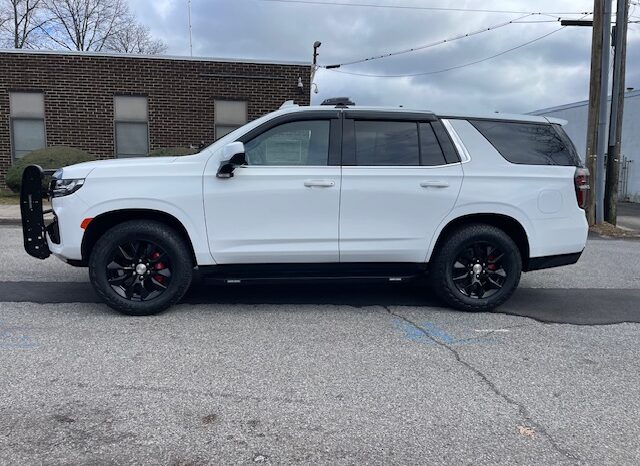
(140,268)
(476,269)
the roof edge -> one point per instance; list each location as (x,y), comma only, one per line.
(581,103)
(495,116)
(152,57)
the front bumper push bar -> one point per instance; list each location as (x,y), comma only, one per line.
(34,228)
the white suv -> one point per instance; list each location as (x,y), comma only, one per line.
(317,192)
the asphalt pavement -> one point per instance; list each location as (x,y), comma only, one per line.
(322,373)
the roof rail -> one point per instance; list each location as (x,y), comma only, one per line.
(289,103)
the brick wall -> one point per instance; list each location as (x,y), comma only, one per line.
(79,91)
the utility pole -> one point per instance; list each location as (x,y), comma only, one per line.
(617,111)
(602,112)
(594,101)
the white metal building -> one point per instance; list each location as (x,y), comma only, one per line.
(576,114)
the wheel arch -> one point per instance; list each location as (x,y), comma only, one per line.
(506,223)
(103,222)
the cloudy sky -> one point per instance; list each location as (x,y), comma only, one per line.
(551,71)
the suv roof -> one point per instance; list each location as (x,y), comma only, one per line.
(453,115)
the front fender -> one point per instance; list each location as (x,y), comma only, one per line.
(192,219)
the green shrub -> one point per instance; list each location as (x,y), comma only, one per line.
(48,158)
(172,151)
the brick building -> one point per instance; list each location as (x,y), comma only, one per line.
(125,105)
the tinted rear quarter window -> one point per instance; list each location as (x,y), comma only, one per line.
(430,147)
(529,143)
(450,153)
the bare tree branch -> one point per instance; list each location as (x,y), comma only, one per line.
(20,21)
(4,17)
(97,25)
(135,38)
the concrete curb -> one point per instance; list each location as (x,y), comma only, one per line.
(10,221)
(10,214)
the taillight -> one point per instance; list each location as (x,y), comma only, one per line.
(581,180)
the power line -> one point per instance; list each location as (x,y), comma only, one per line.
(536,21)
(435,43)
(452,67)
(429,8)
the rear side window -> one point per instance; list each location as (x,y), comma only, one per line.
(529,143)
(390,143)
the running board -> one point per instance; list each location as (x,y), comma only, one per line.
(262,273)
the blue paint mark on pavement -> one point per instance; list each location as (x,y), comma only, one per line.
(433,332)
(15,338)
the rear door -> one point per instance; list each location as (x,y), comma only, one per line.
(401,176)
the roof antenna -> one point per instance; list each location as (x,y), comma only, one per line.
(190,39)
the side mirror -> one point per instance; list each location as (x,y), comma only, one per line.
(233,156)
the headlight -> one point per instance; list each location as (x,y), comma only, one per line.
(65,187)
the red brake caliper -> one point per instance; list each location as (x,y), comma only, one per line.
(159,266)
(491,265)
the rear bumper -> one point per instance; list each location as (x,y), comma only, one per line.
(547,262)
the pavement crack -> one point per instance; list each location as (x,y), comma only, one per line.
(489,333)
(539,428)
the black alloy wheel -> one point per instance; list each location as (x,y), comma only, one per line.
(141,267)
(139,270)
(476,268)
(478,271)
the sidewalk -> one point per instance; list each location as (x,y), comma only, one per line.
(629,215)
(9,214)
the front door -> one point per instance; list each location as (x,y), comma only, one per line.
(401,180)
(283,205)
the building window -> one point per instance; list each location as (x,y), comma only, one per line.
(131,125)
(27,122)
(229,115)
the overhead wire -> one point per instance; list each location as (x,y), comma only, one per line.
(435,43)
(428,8)
(408,75)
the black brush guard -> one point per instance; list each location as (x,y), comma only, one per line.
(34,229)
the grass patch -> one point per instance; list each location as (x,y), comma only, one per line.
(9,198)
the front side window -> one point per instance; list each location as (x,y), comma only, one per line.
(131,126)
(528,143)
(388,143)
(295,143)
(27,122)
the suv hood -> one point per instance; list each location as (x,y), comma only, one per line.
(82,170)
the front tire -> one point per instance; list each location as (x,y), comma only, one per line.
(477,268)
(140,268)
